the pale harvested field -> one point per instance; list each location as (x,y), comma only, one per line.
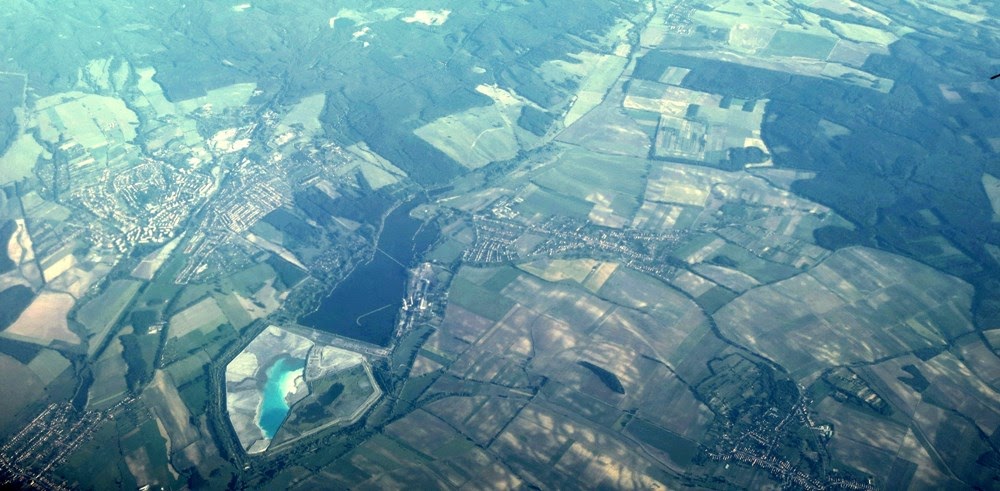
(682,184)
(423,365)
(19,248)
(150,264)
(559,269)
(76,280)
(166,404)
(203,315)
(138,465)
(44,321)
(59,267)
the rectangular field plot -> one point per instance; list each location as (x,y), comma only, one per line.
(611,130)
(560,269)
(478,299)
(543,445)
(723,137)
(541,203)
(793,43)
(48,365)
(858,304)
(44,321)
(680,449)
(101,313)
(580,175)
(682,184)
(474,137)
(202,316)
(613,185)
(560,301)
(109,384)
(659,217)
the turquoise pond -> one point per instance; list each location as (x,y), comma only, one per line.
(280,377)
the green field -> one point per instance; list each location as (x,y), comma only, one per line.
(792,43)
(163,288)
(190,295)
(474,137)
(546,203)
(614,181)
(248,281)
(306,114)
(203,316)
(101,313)
(503,277)
(447,252)
(48,365)
(103,447)
(19,159)
(188,369)
(109,378)
(229,97)
(681,450)
(478,299)
(196,395)
(146,451)
(211,341)
(234,311)
(21,388)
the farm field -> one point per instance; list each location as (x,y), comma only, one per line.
(44,321)
(26,388)
(19,159)
(101,313)
(854,312)
(109,385)
(652,244)
(203,316)
(473,138)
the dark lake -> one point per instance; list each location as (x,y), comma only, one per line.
(364,306)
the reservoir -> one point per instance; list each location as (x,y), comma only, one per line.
(280,381)
(364,306)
